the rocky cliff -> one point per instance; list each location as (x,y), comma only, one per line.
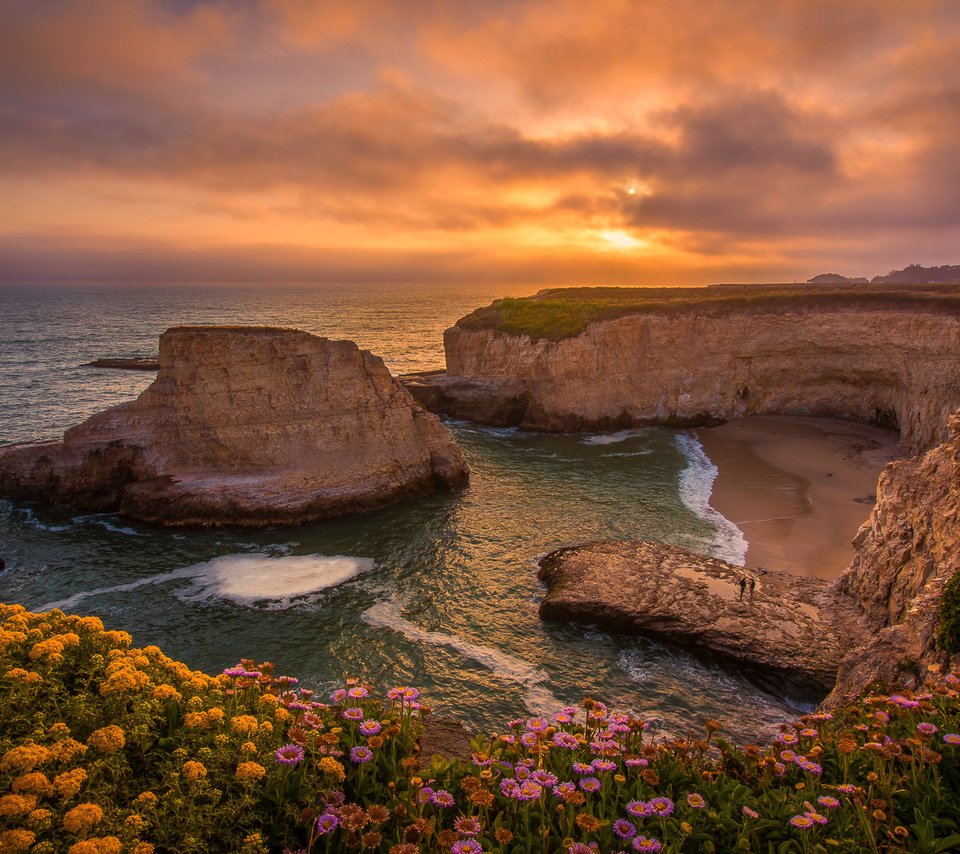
(700,363)
(246,426)
(905,554)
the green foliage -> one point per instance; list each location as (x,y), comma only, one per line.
(107,749)
(948,627)
(559,313)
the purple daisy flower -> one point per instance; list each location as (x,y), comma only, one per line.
(565,788)
(580,848)
(582,768)
(509,787)
(590,784)
(289,754)
(804,822)
(353,714)
(466,846)
(646,845)
(358,692)
(370,727)
(750,813)
(639,809)
(624,829)
(696,800)
(529,791)
(660,806)
(815,817)
(327,823)
(903,702)
(544,777)
(424,795)
(360,755)
(537,725)
(467,826)
(339,695)
(951,738)
(637,762)
(602,765)
(926,728)
(235,672)
(828,802)
(442,798)
(565,739)
(529,739)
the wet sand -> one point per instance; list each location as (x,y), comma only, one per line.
(798,488)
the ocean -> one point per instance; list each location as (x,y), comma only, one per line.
(439,592)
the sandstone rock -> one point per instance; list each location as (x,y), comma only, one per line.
(498,401)
(246,426)
(782,635)
(905,553)
(700,365)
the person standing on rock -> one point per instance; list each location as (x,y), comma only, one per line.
(753,584)
(743,586)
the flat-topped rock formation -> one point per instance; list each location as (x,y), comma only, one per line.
(246,426)
(781,634)
(604,358)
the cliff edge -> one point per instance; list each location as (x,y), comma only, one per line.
(589,359)
(246,426)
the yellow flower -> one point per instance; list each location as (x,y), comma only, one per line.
(12,805)
(282,715)
(25,757)
(268,700)
(82,817)
(195,720)
(30,677)
(266,726)
(142,848)
(67,750)
(39,816)
(166,692)
(118,638)
(244,725)
(48,650)
(146,798)
(215,715)
(250,772)
(127,680)
(16,841)
(134,821)
(248,747)
(108,739)
(194,771)
(329,765)
(34,781)
(60,728)
(69,782)
(91,624)
(97,845)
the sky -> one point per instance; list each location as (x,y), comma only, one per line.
(521,141)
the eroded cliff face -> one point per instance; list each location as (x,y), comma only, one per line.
(695,366)
(905,554)
(248,426)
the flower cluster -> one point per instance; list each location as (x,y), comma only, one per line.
(109,748)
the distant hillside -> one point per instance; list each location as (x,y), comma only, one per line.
(948,274)
(837,279)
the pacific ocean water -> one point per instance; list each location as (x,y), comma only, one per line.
(439,592)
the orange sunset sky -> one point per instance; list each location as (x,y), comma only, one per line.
(669,141)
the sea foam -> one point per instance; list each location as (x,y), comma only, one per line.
(537,697)
(273,583)
(696,486)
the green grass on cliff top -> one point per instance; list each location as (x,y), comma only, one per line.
(558,313)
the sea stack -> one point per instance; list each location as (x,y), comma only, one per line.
(246,426)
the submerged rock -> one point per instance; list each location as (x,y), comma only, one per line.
(782,634)
(246,426)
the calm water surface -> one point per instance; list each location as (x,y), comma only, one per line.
(440,592)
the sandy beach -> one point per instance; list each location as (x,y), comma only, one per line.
(798,488)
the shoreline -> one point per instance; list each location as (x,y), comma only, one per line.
(797,487)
